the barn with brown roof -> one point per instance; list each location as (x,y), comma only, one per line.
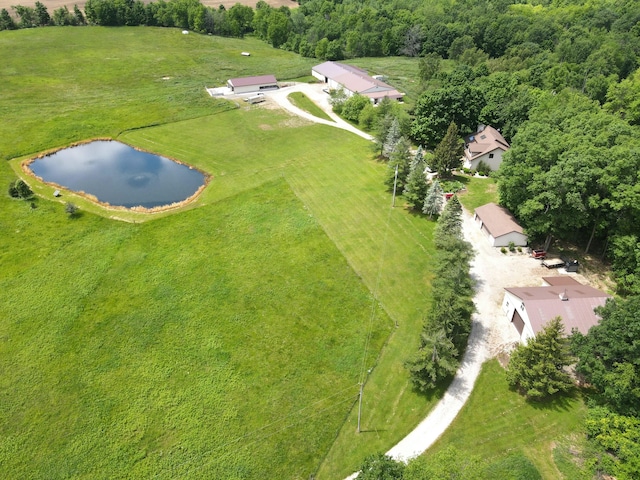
(252,84)
(530,308)
(500,226)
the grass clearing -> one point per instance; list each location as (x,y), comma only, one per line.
(497,422)
(479,191)
(225,340)
(303,102)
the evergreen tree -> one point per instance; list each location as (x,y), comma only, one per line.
(78,14)
(435,360)
(42,15)
(449,224)
(400,157)
(392,138)
(434,200)
(448,153)
(537,368)
(6,22)
(416,187)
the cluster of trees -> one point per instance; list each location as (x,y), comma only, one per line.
(448,323)
(38,16)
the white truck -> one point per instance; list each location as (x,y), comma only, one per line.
(257,98)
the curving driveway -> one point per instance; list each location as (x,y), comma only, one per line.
(320,98)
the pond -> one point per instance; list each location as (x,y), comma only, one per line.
(117,174)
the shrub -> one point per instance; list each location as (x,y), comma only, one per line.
(503,250)
(483,169)
(512,247)
(19,189)
(71,209)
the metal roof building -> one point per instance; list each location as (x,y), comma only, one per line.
(252,84)
(500,226)
(354,80)
(530,308)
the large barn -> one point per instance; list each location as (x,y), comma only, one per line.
(500,226)
(352,80)
(529,309)
(252,84)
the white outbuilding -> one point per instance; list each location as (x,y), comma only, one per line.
(500,226)
(252,84)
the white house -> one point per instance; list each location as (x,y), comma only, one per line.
(252,84)
(500,226)
(352,80)
(486,145)
(529,309)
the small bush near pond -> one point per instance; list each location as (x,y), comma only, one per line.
(19,189)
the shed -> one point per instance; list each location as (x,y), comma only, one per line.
(530,308)
(252,84)
(500,226)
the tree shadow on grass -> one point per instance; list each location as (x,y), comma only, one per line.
(557,403)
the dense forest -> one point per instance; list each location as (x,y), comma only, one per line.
(559,78)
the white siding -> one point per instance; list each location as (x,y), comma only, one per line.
(509,304)
(518,239)
(494,163)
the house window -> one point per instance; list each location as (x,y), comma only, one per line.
(522,307)
(507,304)
(491,155)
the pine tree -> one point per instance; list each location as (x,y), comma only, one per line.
(537,368)
(415,190)
(6,22)
(448,154)
(400,157)
(435,360)
(434,200)
(449,224)
(392,139)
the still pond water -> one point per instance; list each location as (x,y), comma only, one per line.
(119,175)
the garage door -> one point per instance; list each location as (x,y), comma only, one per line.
(518,322)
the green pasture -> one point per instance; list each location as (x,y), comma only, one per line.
(498,424)
(303,102)
(223,341)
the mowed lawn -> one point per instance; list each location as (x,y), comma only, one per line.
(497,423)
(223,341)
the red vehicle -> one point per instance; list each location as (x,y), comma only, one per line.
(538,253)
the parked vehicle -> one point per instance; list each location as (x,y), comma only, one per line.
(257,98)
(538,253)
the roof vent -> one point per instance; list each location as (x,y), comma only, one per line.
(563,296)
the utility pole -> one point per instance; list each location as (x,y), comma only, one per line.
(395,183)
(360,406)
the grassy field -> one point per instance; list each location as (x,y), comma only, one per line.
(497,423)
(224,341)
(303,102)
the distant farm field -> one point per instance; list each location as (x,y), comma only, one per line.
(226,340)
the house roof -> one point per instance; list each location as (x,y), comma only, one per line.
(356,80)
(498,220)
(248,81)
(545,303)
(486,140)
(560,280)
